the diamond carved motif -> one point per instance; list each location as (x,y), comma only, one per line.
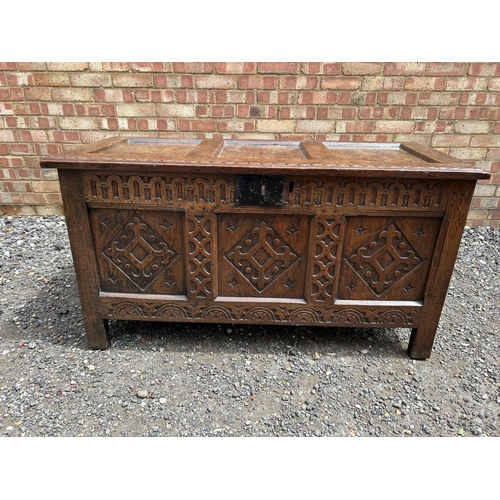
(385,259)
(261,255)
(139,253)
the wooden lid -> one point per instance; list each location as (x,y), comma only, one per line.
(370,159)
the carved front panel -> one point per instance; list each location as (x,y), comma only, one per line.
(262,255)
(139,251)
(387,258)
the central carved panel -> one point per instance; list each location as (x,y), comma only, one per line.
(263,256)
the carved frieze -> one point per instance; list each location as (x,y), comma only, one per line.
(177,190)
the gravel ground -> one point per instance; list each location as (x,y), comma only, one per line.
(161,379)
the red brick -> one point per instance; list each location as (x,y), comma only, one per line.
(287,112)
(244,111)
(11,198)
(192,67)
(96,109)
(59,136)
(20,79)
(418,113)
(109,66)
(45,186)
(193,96)
(202,111)
(222,111)
(276,97)
(132,80)
(30,108)
(383,83)
(433,127)
(257,82)
(446,69)
(51,79)
(425,83)
(334,113)
(359,127)
(394,127)
(78,123)
(58,109)
(33,135)
(37,94)
(484,69)
(11,94)
(370,68)
(341,83)
(451,141)
(377,112)
(404,68)
(197,125)
(439,98)
(49,210)
(299,82)
(34,199)
(215,82)
(9,66)
(8,136)
(485,141)
(277,67)
(175,110)
(67,66)
(54,198)
(234,126)
(493,84)
(17,187)
(317,68)
(72,94)
(22,149)
(466,83)
(323,97)
(6,173)
(90,79)
(150,66)
(31,66)
(480,98)
(345,97)
(173,81)
(163,124)
(234,96)
(236,68)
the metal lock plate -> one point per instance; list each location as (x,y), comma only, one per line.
(257,190)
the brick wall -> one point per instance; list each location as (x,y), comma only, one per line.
(46,108)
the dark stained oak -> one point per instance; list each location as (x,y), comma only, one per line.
(285,232)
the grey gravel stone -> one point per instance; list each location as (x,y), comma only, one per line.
(234,380)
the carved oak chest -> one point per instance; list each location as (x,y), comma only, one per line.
(297,233)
